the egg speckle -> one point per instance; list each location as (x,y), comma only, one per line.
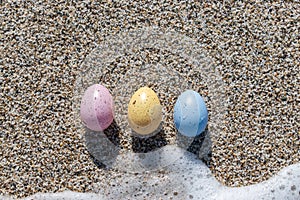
(144,111)
(97,108)
(190,114)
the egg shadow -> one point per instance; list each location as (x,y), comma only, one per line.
(103,146)
(113,133)
(200,145)
(148,144)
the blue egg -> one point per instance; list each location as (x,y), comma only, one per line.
(190,114)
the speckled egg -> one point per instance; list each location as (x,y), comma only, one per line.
(144,111)
(97,108)
(190,114)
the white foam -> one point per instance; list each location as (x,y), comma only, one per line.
(186,178)
(66,195)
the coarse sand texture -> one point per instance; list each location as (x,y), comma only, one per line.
(241,57)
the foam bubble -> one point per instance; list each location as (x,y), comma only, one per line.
(187,178)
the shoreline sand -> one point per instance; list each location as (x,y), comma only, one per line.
(255,47)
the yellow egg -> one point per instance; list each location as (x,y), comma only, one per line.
(144,111)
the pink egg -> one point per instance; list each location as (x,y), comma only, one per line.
(97,108)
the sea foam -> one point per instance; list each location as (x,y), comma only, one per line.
(186,178)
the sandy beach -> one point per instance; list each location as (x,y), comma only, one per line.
(254,47)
